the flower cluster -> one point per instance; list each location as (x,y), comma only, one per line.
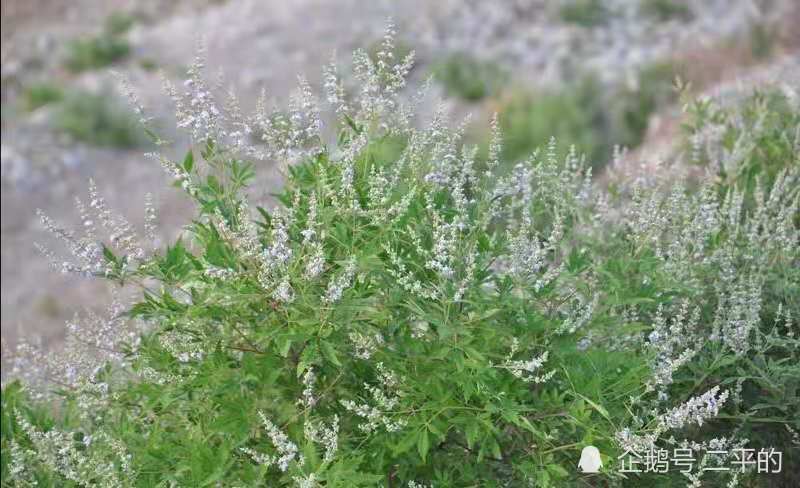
(385,399)
(526,370)
(696,410)
(338,285)
(286,449)
(327,437)
(97,460)
(674,343)
(89,250)
(92,342)
(309,380)
(578,315)
(365,345)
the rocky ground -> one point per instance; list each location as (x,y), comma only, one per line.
(267,44)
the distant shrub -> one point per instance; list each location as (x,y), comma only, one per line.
(98,119)
(762,40)
(148,64)
(103,49)
(95,52)
(40,94)
(119,23)
(467,78)
(594,118)
(586,13)
(666,10)
(574,113)
(632,108)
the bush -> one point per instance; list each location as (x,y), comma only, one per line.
(576,114)
(119,23)
(763,39)
(666,10)
(586,13)
(96,52)
(148,64)
(404,318)
(744,142)
(102,50)
(98,119)
(633,108)
(467,78)
(591,117)
(38,95)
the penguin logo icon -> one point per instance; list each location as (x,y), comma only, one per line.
(590,460)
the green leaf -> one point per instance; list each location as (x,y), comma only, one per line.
(329,352)
(423,444)
(596,406)
(471,433)
(214,184)
(308,357)
(405,444)
(188,161)
(284,345)
(109,255)
(557,471)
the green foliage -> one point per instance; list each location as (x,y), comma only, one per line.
(98,119)
(594,119)
(761,130)
(96,52)
(119,23)
(762,40)
(467,78)
(666,10)
(40,94)
(106,48)
(586,13)
(633,108)
(574,114)
(148,64)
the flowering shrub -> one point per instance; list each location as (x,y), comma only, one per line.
(742,142)
(407,315)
